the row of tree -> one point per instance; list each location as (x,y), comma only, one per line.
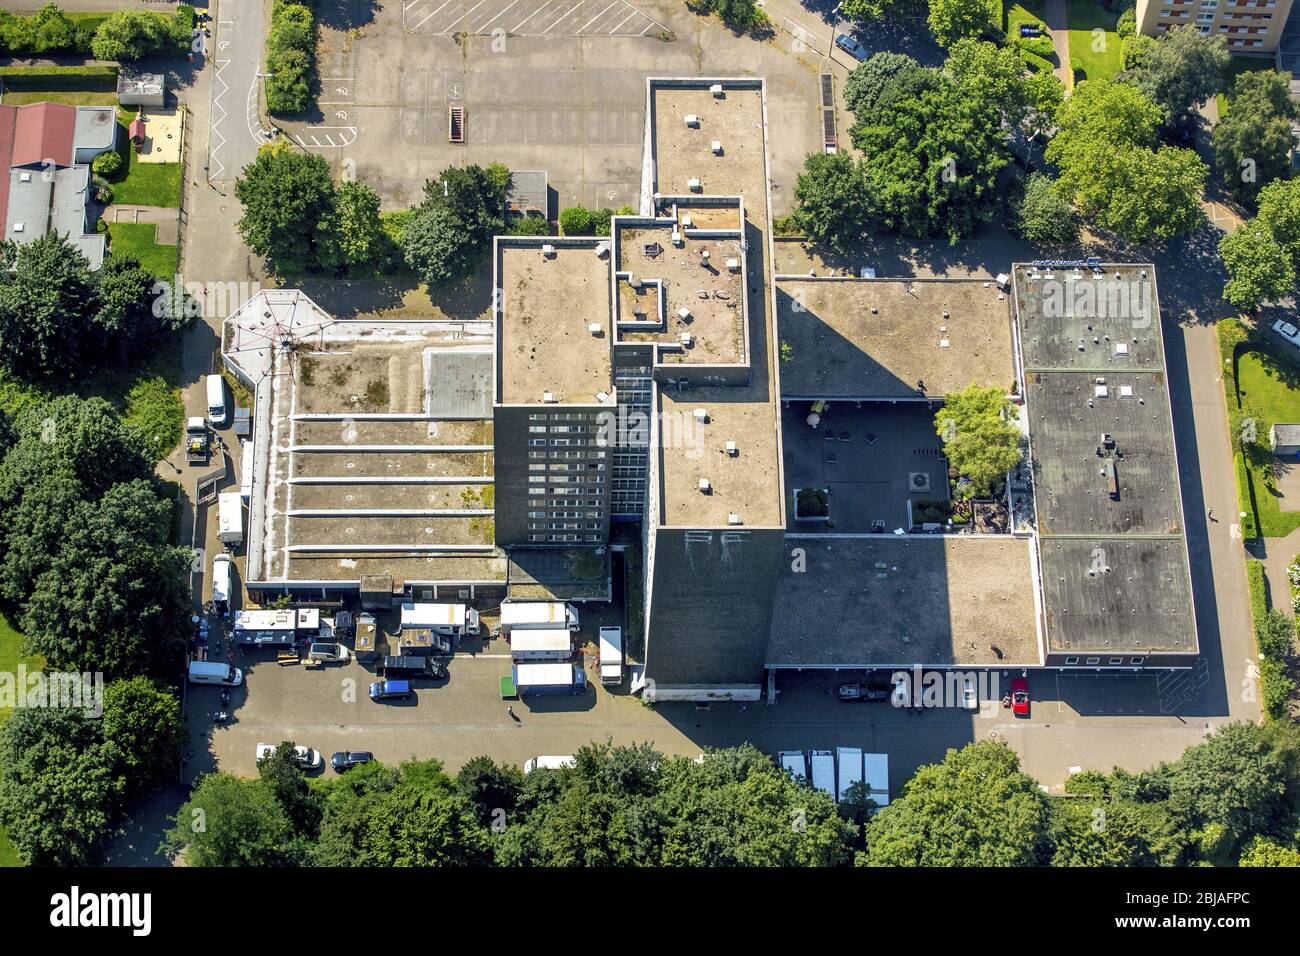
(1229,800)
(123,35)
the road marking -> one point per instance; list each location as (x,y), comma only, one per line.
(473,8)
(625,19)
(426,19)
(564,15)
(599,15)
(217,138)
(497,17)
(531,15)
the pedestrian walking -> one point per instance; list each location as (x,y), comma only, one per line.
(1210,514)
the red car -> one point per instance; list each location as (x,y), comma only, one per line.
(1020,697)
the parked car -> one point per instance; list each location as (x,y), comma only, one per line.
(849,692)
(345,760)
(305,757)
(328,653)
(412,666)
(382,690)
(1287,331)
(1020,697)
(851,46)
(970,695)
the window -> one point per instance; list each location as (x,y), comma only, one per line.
(1137,661)
(1071,660)
(1094,660)
(1116,660)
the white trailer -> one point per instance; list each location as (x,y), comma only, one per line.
(537,614)
(795,763)
(449,620)
(551,762)
(611,655)
(246,469)
(230,518)
(823,771)
(541,644)
(266,627)
(876,774)
(850,765)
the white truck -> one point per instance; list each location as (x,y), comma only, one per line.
(547,762)
(823,771)
(537,614)
(611,655)
(795,764)
(213,672)
(448,620)
(230,518)
(541,644)
(223,583)
(876,774)
(850,766)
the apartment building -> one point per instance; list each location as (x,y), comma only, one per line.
(1247,26)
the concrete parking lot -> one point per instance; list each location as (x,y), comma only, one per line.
(545,84)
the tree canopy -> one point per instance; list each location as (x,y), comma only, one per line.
(832,206)
(980,439)
(1252,143)
(1180,71)
(953,20)
(1259,269)
(287,194)
(448,232)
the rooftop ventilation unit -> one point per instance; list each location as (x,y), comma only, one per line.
(716,90)
(24,177)
(1126,391)
(705,487)
(19,226)
(548,251)
(943,343)
(602,250)
(734,519)
(686,339)
(683,313)
(693,185)
(687,221)
(717,147)
(595,328)
(1101,391)
(692,121)
(733,265)
(701,414)
(704,257)
(1121,348)
(548,398)
(677,236)
(732,450)
(633,283)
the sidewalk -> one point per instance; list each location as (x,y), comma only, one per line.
(1057,20)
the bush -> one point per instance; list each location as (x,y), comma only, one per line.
(579,221)
(1126,26)
(1037,63)
(136,34)
(1038,46)
(290,58)
(108,164)
(529,226)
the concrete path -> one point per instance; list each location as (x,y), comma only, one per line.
(120,212)
(1054,15)
(1277,553)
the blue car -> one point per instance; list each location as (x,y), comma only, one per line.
(382,690)
(851,46)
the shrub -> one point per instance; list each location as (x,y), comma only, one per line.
(107,164)
(1039,46)
(529,226)
(136,34)
(1126,26)
(1037,63)
(290,58)
(578,221)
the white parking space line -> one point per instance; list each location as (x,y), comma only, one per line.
(473,8)
(429,17)
(599,15)
(497,17)
(530,16)
(564,15)
(624,20)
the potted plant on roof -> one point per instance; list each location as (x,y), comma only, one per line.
(812,504)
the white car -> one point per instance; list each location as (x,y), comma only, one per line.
(328,653)
(970,695)
(307,758)
(1287,331)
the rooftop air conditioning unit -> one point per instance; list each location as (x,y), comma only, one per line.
(734,519)
(733,265)
(692,121)
(687,222)
(704,257)
(24,177)
(1101,391)
(595,328)
(1121,348)
(1126,391)
(19,226)
(677,236)
(548,397)
(705,487)
(548,250)
(716,90)
(683,313)
(693,185)
(732,450)
(717,147)
(686,339)
(701,414)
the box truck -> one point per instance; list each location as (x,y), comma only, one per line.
(850,765)
(223,583)
(553,762)
(544,614)
(541,644)
(823,771)
(549,679)
(611,655)
(795,764)
(230,518)
(875,768)
(449,620)
(212,672)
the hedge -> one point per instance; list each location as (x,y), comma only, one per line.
(290,57)
(1257,589)
(1037,63)
(1039,46)
(93,78)
(1245,498)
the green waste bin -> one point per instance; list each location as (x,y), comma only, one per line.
(508,690)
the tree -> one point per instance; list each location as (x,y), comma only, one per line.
(1042,217)
(62,785)
(1279,210)
(353,235)
(1259,269)
(528,226)
(1110,168)
(125,316)
(979,439)
(285,193)
(995,77)
(1264,852)
(578,221)
(831,203)
(868,80)
(132,35)
(231,822)
(953,20)
(143,720)
(932,156)
(46,300)
(866,11)
(436,246)
(1252,143)
(1181,71)
(1112,833)
(448,232)
(976,808)
(491,788)
(742,16)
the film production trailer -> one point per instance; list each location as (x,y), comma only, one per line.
(266,628)
(448,620)
(537,614)
(611,655)
(823,771)
(850,761)
(876,774)
(795,764)
(541,644)
(223,583)
(549,679)
(230,518)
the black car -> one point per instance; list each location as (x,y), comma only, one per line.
(345,760)
(412,666)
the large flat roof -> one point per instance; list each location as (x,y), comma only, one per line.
(887,600)
(890,338)
(682,153)
(548,305)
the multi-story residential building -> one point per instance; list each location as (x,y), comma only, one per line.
(1247,26)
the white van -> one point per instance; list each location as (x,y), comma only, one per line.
(547,763)
(611,655)
(217,413)
(213,672)
(223,582)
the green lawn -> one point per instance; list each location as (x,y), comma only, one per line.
(143,184)
(11,655)
(137,239)
(66,97)
(1270,393)
(1083,17)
